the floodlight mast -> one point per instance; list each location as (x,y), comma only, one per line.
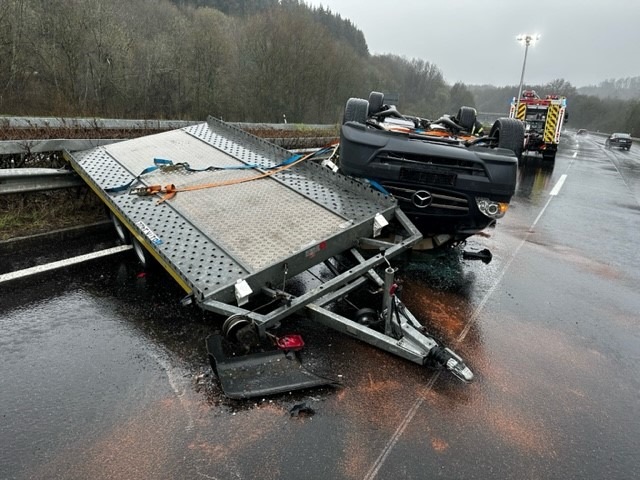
(527,39)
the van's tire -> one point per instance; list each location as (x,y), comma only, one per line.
(356,110)
(467,118)
(509,133)
(376,100)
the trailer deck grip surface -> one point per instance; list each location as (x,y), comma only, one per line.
(211,238)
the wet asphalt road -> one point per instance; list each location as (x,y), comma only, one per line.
(104,375)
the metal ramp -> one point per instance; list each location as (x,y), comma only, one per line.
(227,244)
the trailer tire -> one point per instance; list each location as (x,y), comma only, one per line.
(376,100)
(509,133)
(121,231)
(467,118)
(141,253)
(356,110)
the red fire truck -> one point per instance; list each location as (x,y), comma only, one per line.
(543,119)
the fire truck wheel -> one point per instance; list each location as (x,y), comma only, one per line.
(376,100)
(509,133)
(467,118)
(356,110)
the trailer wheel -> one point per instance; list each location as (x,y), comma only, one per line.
(376,100)
(121,231)
(467,118)
(141,253)
(509,133)
(356,110)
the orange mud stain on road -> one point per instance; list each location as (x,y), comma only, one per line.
(494,415)
(580,260)
(448,312)
(244,444)
(133,449)
(439,445)
(372,408)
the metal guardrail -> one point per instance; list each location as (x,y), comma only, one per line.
(26,180)
(125,124)
(88,123)
(18,147)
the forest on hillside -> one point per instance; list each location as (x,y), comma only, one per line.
(239,60)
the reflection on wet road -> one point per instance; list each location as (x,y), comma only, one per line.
(104,375)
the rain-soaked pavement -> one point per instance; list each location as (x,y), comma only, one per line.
(104,375)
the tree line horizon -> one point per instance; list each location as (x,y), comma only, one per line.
(239,60)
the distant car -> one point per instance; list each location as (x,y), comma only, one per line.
(622,141)
(582,131)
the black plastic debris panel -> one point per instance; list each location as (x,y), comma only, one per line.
(261,373)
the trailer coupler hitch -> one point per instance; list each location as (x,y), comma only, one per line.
(448,359)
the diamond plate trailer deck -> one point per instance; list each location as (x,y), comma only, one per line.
(228,244)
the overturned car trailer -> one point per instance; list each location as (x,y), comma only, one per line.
(233,218)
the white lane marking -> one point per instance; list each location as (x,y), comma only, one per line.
(6,277)
(575,154)
(558,186)
(177,382)
(377,465)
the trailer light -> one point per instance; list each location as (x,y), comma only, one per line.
(490,208)
(292,342)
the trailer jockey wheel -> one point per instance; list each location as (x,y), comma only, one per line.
(369,318)
(240,330)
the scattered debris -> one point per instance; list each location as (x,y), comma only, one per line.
(301,409)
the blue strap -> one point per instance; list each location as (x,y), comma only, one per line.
(161,163)
(126,186)
(377,186)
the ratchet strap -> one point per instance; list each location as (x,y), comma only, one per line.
(170,191)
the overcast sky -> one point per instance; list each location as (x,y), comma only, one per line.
(473,41)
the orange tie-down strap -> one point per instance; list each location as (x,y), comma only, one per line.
(170,191)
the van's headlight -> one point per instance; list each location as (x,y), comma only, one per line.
(490,208)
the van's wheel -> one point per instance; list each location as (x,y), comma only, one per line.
(121,231)
(509,133)
(141,253)
(376,100)
(356,110)
(467,118)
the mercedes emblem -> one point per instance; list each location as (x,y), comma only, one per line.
(421,199)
